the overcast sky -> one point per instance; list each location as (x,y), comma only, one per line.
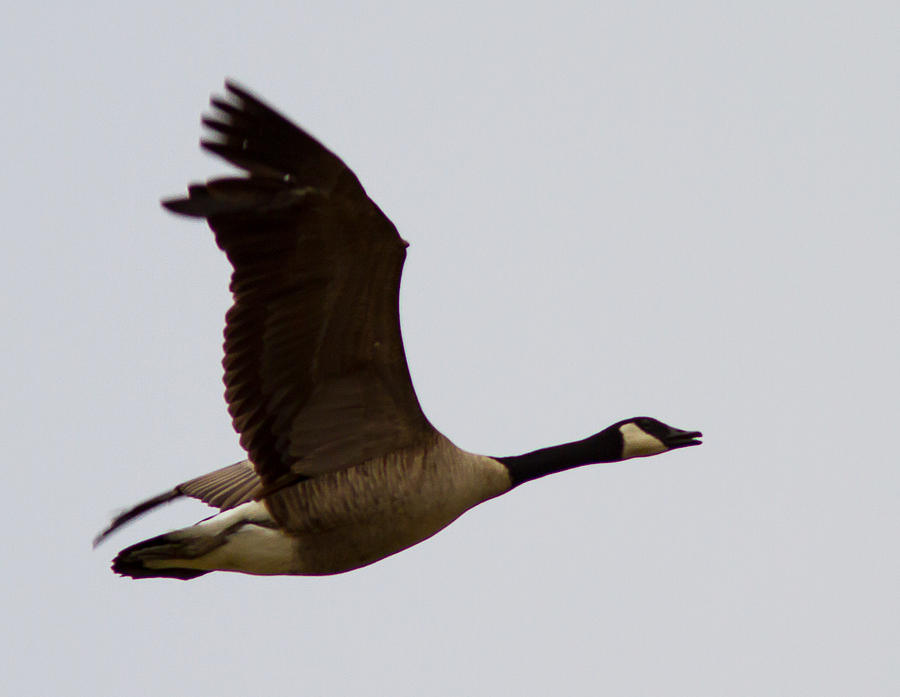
(686,210)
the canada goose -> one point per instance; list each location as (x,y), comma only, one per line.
(344,469)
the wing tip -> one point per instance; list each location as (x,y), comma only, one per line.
(135,512)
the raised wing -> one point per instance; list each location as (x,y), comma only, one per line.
(315,374)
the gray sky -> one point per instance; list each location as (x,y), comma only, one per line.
(687,210)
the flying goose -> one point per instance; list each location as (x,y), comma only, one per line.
(343,467)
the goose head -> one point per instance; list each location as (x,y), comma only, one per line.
(643,436)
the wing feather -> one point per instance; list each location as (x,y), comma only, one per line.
(316,378)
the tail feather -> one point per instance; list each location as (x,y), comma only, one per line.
(159,556)
(245,539)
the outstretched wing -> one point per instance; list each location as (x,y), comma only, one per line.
(225,488)
(316,378)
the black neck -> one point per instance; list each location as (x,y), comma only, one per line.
(605,446)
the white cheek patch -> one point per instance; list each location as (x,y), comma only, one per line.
(639,443)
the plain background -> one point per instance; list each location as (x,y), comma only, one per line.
(687,210)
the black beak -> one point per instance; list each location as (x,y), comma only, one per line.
(676,438)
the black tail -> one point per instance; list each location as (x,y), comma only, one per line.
(131,560)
